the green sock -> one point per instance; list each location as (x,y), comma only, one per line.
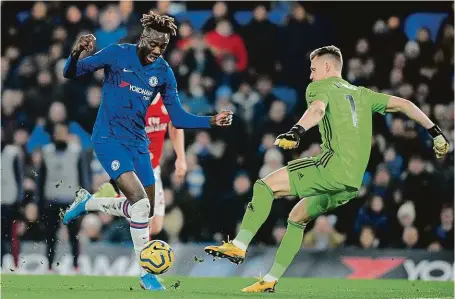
(256,213)
(290,245)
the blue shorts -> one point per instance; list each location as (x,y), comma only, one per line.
(118,158)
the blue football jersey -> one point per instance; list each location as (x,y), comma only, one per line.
(128,89)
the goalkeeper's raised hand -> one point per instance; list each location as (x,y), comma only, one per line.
(440,142)
(291,139)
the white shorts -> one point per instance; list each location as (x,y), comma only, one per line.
(159,193)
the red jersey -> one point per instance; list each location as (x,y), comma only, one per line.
(156,122)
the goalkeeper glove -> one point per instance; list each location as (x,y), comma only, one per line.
(291,139)
(440,142)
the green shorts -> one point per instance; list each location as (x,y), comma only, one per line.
(309,179)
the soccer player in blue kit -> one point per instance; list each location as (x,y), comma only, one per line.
(134,74)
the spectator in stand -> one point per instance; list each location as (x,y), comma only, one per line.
(426,47)
(87,113)
(92,14)
(41,133)
(69,92)
(195,177)
(296,42)
(410,239)
(30,228)
(382,182)
(442,235)
(393,162)
(199,58)
(75,22)
(90,229)
(181,70)
(55,53)
(173,220)
(111,30)
(130,19)
(59,177)
(224,41)
(185,36)
(373,215)
(246,101)
(273,160)
(367,238)
(416,186)
(229,75)
(445,40)
(230,208)
(194,98)
(35,34)
(38,98)
(361,68)
(406,215)
(260,37)
(13,112)
(11,189)
(219,12)
(264,87)
(323,235)
(5,70)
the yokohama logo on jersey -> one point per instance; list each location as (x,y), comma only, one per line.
(136,89)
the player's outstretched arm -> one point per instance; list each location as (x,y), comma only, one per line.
(182,119)
(177,137)
(441,144)
(75,67)
(310,118)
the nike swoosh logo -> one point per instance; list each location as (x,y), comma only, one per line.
(127,71)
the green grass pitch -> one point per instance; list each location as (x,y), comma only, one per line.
(94,287)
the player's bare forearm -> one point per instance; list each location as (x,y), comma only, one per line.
(177,137)
(397,104)
(311,117)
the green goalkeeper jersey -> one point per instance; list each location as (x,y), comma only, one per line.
(346,129)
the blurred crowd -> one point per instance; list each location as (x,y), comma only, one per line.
(406,197)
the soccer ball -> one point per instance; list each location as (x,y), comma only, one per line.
(157,257)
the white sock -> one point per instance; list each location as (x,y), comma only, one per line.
(116,206)
(239,244)
(139,227)
(269,278)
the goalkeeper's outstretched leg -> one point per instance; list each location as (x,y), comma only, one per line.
(303,212)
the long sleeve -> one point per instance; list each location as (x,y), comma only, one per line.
(241,54)
(76,68)
(84,137)
(38,138)
(179,117)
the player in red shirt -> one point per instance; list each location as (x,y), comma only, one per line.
(157,121)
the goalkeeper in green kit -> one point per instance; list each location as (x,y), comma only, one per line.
(324,182)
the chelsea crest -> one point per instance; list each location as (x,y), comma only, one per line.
(153,81)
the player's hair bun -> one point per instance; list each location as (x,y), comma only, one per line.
(164,24)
